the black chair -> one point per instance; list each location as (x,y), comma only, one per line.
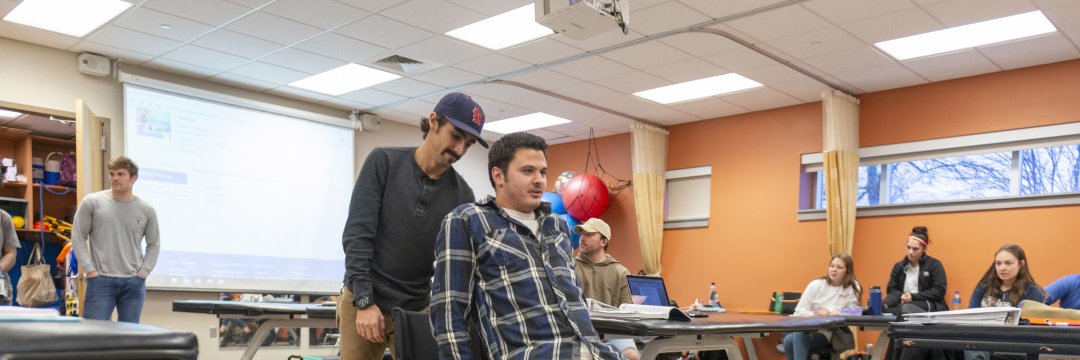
(413,338)
(789,300)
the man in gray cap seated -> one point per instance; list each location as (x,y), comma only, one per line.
(602,278)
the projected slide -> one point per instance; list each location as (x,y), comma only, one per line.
(247,200)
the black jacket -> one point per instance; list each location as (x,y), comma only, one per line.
(932,283)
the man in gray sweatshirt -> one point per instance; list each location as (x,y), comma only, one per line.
(109,229)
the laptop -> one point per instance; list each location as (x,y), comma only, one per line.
(651,287)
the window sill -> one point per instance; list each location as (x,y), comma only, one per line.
(1010,202)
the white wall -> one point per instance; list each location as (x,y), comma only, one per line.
(45,79)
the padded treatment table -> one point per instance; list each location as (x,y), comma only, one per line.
(267,315)
(1029,339)
(716,332)
(93,339)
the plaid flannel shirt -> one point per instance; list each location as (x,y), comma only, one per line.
(521,289)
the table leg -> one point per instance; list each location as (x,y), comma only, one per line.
(705,342)
(269,324)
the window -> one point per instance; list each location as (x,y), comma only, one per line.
(1050,170)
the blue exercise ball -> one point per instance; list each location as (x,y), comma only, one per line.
(573,236)
(557,206)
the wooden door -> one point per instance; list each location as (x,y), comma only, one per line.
(90,152)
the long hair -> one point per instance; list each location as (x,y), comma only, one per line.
(1019,288)
(849,279)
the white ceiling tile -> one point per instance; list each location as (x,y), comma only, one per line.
(588,92)
(627,104)
(407,87)
(237,44)
(373,5)
(541,51)
(880,78)
(267,72)
(492,64)
(849,60)
(709,108)
(343,48)
(210,12)
(323,14)
(125,56)
(299,94)
(243,82)
(646,55)
(808,90)
(302,61)
(845,11)
(666,116)
(339,103)
(774,74)
(632,82)
(133,40)
(817,42)
(606,39)
(686,70)
(659,18)
(545,79)
(442,49)
(249,3)
(204,57)
(1075,36)
(699,43)
(547,135)
(36,36)
(739,59)
(1065,18)
(1030,52)
(645,4)
(372,96)
(763,26)
(273,28)
(383,31)
(952,65)
(151,22)
(497,110)
(591,68)
(448,76)
(570,129)
(718,9)
(1047,4)
(893,26)
(963,12)
(176,67)
(433,15)
(399,117)
(760,99)
(491,7)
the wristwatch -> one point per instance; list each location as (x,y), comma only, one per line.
(362,302)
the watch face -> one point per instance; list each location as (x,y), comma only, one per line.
(362,302)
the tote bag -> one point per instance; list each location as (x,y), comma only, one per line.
(36,287)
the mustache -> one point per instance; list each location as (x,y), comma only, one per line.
(452,154)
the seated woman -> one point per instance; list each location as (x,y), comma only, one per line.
(917,283)
(1007,282)
(825,296)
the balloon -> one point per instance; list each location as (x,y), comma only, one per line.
(585,197)
(561,181)
(573,236)
(557,206)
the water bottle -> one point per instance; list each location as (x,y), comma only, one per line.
(875,300)
(778,302)
(714,298)
(955,301)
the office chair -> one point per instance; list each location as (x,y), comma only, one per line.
(413,339)
(790,300)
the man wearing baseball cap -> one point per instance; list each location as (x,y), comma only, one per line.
(602,278)
(398,201)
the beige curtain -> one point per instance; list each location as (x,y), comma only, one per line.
(649,147)
(841,166)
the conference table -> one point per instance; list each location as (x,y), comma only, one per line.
(93,339)
(1027,339)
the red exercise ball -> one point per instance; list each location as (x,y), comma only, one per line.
(585,197)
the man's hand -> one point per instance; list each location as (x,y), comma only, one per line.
(906,298)
(92,274)
(369,324)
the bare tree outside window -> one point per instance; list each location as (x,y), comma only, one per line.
(1050,170)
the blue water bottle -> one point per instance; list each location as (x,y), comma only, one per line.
(875,300)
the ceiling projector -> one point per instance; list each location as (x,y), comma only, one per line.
(583,19)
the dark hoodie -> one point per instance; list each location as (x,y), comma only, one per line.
(604,281)
(932,283)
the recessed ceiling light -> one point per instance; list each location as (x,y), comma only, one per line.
(698,89)
(968,36)
(504,30)
(524,122)
(69,17)
(344,79)
(8,114)
(166,26)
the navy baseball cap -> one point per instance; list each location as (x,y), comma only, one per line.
(464,113)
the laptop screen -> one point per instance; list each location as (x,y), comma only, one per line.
(651,287)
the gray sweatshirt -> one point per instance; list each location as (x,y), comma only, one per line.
(108,235)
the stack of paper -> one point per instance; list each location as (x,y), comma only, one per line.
(15,313)
(634,311)
(977,316)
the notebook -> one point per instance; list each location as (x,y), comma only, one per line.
(651,287)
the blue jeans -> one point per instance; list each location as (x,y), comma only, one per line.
(797,345)
(103,293)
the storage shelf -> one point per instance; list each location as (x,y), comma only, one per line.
(57,188)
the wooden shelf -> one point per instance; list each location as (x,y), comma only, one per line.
(32,235)
(53,187)
(52,141)
(15,184)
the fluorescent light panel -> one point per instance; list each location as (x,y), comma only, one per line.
(968,36)
(524,122)
(504,30)
(344,79)
(69,17)
(698,89)
(8,114)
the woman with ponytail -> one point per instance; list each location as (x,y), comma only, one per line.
(917,282)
